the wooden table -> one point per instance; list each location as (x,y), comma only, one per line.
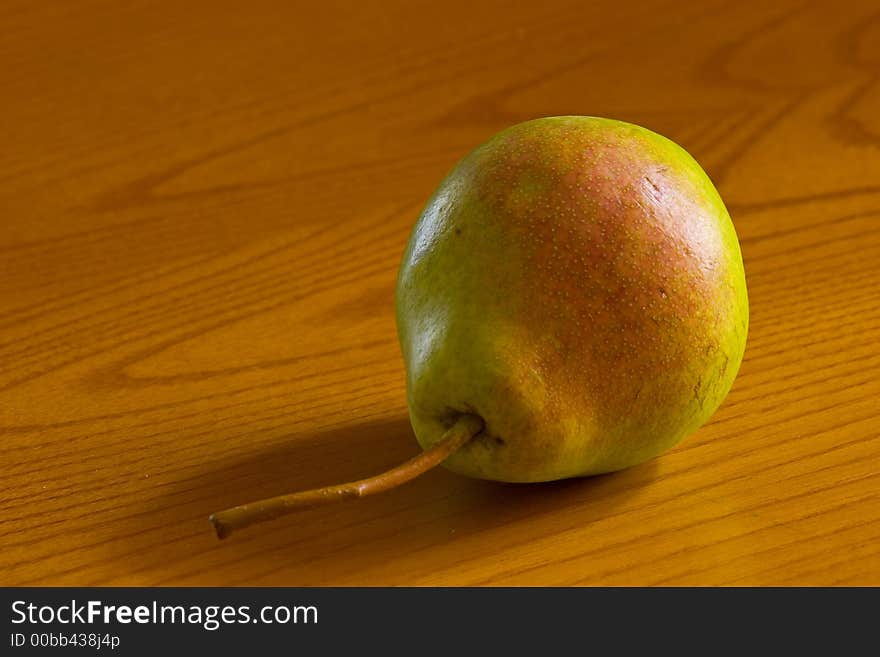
(202,211)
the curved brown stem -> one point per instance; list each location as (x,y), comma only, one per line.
(465,428)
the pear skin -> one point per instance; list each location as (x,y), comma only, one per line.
(572,301)
(577,283)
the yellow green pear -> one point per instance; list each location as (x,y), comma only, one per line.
(575,282)
(572,301)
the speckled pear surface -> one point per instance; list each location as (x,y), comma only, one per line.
(577,283)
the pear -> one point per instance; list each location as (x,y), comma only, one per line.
(577,283)
(572,301)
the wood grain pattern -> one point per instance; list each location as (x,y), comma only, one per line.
(202,211)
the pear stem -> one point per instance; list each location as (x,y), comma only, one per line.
(464,429)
